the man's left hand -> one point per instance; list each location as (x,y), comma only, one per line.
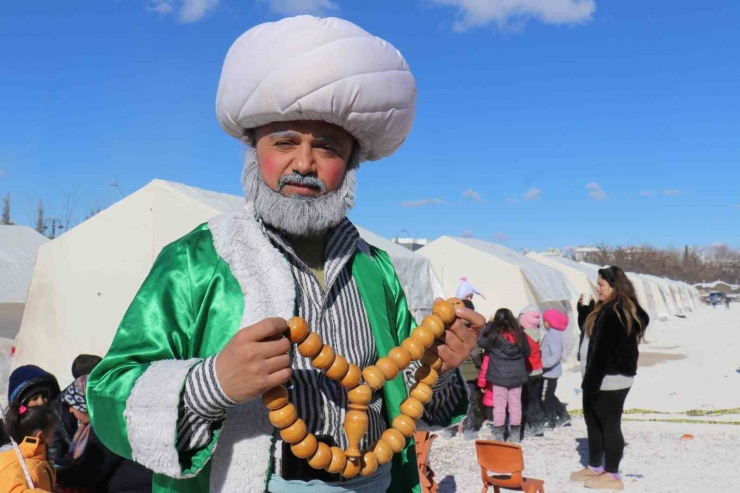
(455,345)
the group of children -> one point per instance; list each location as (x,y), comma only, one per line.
(519,372)
(48,443)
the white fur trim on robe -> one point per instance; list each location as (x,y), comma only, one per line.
(151,416)
(241,460)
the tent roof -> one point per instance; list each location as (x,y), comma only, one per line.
(549,283)
(18,247)
(593,274)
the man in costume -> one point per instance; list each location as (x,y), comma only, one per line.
(179,390)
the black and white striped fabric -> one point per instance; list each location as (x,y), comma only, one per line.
(338,316)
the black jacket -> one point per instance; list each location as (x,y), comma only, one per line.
(610,350)
(103,471)
(506,360)
(65,431)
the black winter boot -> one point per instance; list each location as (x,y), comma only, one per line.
(515,434)
(498,433)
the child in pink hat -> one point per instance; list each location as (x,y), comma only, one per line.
(552,348)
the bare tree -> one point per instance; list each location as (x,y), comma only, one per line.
(69,204)
(40,225)
(6,220)
(93,211)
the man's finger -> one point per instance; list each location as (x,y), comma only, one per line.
(271,349)
(266,329)
(475,319)
(279,377)
(277,363)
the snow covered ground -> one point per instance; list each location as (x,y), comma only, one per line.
(688,364)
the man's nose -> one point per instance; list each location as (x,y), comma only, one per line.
(304,162)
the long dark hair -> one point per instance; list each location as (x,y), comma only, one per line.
(624,301)
(22,421)
(503,322)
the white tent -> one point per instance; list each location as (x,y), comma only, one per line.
(506,278)
(85,279)
(652,287)
(644,294)
(18,248)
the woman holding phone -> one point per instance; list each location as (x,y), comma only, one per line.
(612,330)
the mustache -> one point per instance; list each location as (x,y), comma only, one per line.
(297,179)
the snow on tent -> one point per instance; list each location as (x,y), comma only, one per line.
(18,247)
(85,279)
(506,278)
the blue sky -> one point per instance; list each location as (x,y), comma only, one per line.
(542,124)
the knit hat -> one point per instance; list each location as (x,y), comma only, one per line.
(74,395)
(557,319)
(529,317)
(27,380)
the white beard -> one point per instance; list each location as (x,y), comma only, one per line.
(299,215)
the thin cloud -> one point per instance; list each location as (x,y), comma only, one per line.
(500,237)
(188,11)
(646,193)
(511,200)
(671,192)
(422,202)
(468,234)
(513,14)
(295,7)
(473,195)
(733,206)
(532,194)
(595,191)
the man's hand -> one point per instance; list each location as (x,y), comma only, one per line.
(255,360)
(458,340)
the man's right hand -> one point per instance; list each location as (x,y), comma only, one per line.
(255,360)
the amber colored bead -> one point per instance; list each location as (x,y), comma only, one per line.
(431,359)
(412,408)
(404,424)
(322,457)
(424,336)
(362,394)
(435,324)
(306,447)
(388,366)
(297,330)
(338,369)
(373,377)
(352,468)
(415,349)
(324,359)
(369,463)
(338,461)
(456,303)
(445,311)
(383,451)
(394,439)
(421,392)
(401,356)
(283,417)
(275,398)
(295,432)
(352,378)
(311,346)
(426,374)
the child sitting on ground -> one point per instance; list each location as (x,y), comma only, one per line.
(507,348)
(32,429)
(552,354)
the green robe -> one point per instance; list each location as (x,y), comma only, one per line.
(188,308)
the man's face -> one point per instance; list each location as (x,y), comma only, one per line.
(37,400)
(289,151)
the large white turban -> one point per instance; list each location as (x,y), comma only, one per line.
(307,68)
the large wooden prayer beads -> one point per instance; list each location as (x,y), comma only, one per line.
(360,385)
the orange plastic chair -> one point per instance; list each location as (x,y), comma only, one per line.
(423,441)
(506,461)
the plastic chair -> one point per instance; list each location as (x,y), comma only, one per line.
(423,441)
(506,461)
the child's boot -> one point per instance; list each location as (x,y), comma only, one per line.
(515,434)
(498,434)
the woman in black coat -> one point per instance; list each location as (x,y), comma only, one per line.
(611,332)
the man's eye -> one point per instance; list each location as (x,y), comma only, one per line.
(284,143)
